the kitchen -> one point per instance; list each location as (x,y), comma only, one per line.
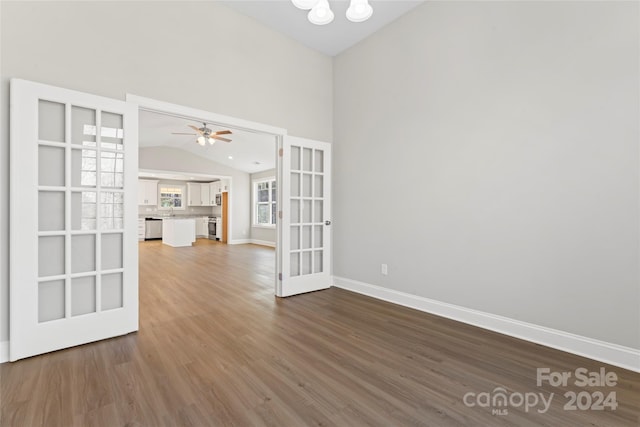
(179,209)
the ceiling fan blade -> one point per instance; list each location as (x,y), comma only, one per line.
(182,133)
(221,132)
(196,129)
(219,138)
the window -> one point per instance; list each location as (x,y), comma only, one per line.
(264,200)
(171,196)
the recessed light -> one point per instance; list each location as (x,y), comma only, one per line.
(230,157)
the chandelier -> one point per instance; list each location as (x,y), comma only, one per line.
(320,12)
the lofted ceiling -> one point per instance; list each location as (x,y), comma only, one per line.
(248,151)
(330,39)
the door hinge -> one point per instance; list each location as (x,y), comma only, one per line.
(280,214)
(280,276)
(281,152)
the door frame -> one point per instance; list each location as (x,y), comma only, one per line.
(161,107)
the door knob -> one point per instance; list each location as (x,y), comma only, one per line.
(327,222)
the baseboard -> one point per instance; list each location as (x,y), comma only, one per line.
(613,354)
(263,243)
(238,241)
(4,351)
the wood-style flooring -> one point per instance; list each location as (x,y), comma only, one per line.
(216,348)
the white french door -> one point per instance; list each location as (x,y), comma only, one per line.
(73,213)
(304,245)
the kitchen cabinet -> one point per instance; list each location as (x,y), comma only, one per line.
(201,194)
(202,226)
(194,194)
(205,195)
(147,192)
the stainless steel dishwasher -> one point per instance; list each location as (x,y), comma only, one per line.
(152,228)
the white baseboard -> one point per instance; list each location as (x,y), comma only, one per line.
(4,351)
(238,241)
(613,354)
(263,243)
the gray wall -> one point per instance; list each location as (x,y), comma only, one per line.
(199,54)
(488,153)
(260,233)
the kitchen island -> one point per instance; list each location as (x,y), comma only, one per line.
(178,232)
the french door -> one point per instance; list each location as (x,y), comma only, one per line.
(304,238)
(73,209)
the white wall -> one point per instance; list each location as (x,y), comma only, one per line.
(198,54)
(261,233)
(488,153)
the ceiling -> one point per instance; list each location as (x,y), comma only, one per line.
(245,149)
(330,39)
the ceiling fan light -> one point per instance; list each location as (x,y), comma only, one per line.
(321,13)
(304,4)
(201,140)
(359,11)
(211,141)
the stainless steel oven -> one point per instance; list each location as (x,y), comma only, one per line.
(212,228)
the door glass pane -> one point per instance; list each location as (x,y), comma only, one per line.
(306,185)
(83,168)
(111,132)
(50,211)
(295,264)
(317,236)
(306,237)
(319,161)
(318,186)
(51,166)
(317,262)
(111,169)
(295,211)
(50,255)
(83,126)
(83,253)
(317,211)
(295,158)
(111,291)
(111,210)
(306,211)
(295,237)
(83,210)
(83,295)
(111,251)
(50,300)
(306,159)
(295,184)
(306,262)
(51,121)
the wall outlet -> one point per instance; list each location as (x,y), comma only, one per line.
(384,269)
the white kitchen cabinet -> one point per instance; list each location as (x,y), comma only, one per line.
(147,192)
(205,195)
(202,226)
(194,194)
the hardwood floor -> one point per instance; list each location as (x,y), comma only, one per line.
(216,348)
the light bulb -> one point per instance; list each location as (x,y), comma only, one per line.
(321,13)
(212,141)
(359,11)
(304,4)
(201,140)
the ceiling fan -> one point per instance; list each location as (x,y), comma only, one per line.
(206,134)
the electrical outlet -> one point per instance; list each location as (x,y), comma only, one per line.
(384,269)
